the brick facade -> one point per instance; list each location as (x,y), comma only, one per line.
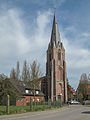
(26,99)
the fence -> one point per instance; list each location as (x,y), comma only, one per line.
(31,106)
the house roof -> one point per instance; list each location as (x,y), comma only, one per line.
(72,90)
(21,86)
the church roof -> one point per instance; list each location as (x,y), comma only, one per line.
(55,36)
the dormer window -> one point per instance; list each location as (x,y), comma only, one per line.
(37,92)
(27,91)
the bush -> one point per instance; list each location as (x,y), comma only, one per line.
(89,97)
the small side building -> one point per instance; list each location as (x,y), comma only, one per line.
(26,92)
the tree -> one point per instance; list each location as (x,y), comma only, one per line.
(13,74)
(7,88)
(80,97)
(83,86)
(83,77)
(25,72)
(35,73)
(28,74)
(89,97)
(18,71)
(35,70)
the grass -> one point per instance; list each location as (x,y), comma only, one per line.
(23,109)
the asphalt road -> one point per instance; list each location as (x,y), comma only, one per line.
(73,112)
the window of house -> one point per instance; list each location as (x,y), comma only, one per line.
(37,99)
(27,91)
(37,92)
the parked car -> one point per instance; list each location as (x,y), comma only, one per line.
(86,102)
(75,102)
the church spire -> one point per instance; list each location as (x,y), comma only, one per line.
(55,36)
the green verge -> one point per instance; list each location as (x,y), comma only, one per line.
(23,109)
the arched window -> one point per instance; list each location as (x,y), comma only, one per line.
(59,55)
(50,57)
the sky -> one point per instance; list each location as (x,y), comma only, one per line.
(25,31)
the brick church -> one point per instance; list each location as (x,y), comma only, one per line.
(53,86)
(56,66)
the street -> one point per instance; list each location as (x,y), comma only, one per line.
(73,112)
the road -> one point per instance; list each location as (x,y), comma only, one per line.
(73,112)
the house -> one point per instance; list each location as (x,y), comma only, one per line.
(71,93)
(26,91)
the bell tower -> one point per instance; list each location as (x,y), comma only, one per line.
(56,66)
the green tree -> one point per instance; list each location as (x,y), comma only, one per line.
(7,88)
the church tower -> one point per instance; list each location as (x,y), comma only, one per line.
(56,66)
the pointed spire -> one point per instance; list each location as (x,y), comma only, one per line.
(55,36)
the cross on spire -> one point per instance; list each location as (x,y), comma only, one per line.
(55,9)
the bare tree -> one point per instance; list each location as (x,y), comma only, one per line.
(83,86)
(89,78)
(35,72)
(13,74)
(25,72)
(28,74)
(18,71)
(83,77)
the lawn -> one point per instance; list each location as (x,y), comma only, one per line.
(22,109)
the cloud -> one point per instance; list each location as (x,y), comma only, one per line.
(46,2)
(85,35)
(16,43)
(77,55)
(41,31)
(12,35)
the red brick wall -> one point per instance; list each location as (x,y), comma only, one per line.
(24,101)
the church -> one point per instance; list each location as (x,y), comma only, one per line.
(56,66)
(53,86)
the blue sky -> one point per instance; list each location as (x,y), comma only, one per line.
(25,29)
